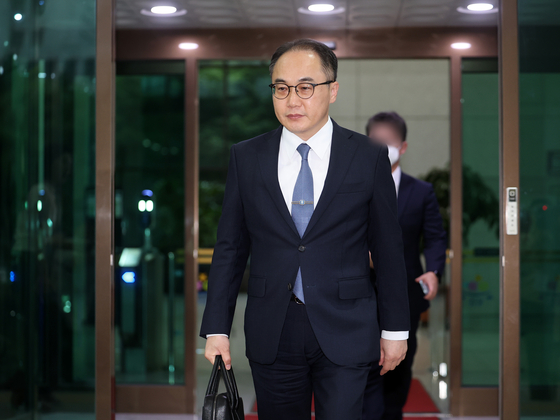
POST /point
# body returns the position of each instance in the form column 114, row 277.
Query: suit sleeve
column 386, row 247
column 229, row 260
column 435, row 237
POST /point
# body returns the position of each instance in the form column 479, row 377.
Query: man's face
column 303, row 117
column 386, row 134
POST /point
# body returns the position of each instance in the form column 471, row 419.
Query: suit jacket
column 419, row 217
column 356, row 213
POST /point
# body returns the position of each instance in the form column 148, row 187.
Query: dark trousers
column 390, row 391
column 284, row 389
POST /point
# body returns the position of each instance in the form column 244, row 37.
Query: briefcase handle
column 229, row 380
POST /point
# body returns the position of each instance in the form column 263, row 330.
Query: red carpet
column 418, row 418
column 419, row 401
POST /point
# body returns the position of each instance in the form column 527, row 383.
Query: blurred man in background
column 419, row 217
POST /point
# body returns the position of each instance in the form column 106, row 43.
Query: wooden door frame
column 509, row 244
column 177, row 398
column 464, row 400
column 104, row 211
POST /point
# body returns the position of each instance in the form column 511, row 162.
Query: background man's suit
column 356, row 213
column 419, row 217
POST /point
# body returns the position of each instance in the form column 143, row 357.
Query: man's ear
column 334, row 92
column 404, row 146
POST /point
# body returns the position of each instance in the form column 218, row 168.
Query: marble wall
column 418, row 89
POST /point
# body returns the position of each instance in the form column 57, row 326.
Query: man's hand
column 392, row 353
column 215, row 345
column 431, row 281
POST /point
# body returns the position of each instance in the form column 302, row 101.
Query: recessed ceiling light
column 480, row 7
column 461, row 45
column 163, row 10
column 318, row 8
column 18, row 16
column 188, row 46
column 321, row 9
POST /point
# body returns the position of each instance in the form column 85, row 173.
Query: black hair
column 391, row 118
column 327, row 56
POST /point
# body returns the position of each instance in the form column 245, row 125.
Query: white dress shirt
column 289, row 164
column 289, row 161
column 397, row 173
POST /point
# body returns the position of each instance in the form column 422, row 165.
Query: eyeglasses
column 304, row 90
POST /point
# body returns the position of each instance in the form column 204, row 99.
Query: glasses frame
column 272, row 86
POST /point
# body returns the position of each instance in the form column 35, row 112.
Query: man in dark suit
column 306, row 202
column 419, row 218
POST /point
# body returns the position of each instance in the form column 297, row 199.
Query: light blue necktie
column 302, row 205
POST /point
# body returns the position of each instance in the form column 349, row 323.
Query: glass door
column 481, row 241
column 149, row 237
column 530, row 110
column 539, row 208
column 47, row 209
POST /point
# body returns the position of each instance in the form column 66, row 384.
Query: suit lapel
column 268, row 162
column 405, row 188
column 342, row 151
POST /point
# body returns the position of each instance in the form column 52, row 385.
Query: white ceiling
column 283, row 13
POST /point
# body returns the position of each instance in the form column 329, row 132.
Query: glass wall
column 481, row 270
column 539, row 100
column 149, row 223
column 47, row 209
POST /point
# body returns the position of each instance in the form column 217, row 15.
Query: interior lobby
column 116, row 123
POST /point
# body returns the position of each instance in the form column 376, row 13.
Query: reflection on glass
column 539, row 169
column 481, row 273
column 149, row 214
column 47, row 208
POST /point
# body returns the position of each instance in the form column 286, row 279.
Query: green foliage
column 479, row 203
column 235, row 105
column 479, row 200
column 439, row 178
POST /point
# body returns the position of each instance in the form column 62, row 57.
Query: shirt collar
column 319, row 143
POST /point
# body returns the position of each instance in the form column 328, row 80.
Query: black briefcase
column 224, row 406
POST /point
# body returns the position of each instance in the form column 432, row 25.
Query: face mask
column 394, row 154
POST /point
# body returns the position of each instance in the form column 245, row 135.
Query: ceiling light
column 480, row 7
column 461, row 45
column 318, row 8
column 321, row 9
column 163, row 10
column 18, row 16
column 188, row 46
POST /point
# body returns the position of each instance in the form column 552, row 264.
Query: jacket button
column 301, row 248
column 290, row 286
